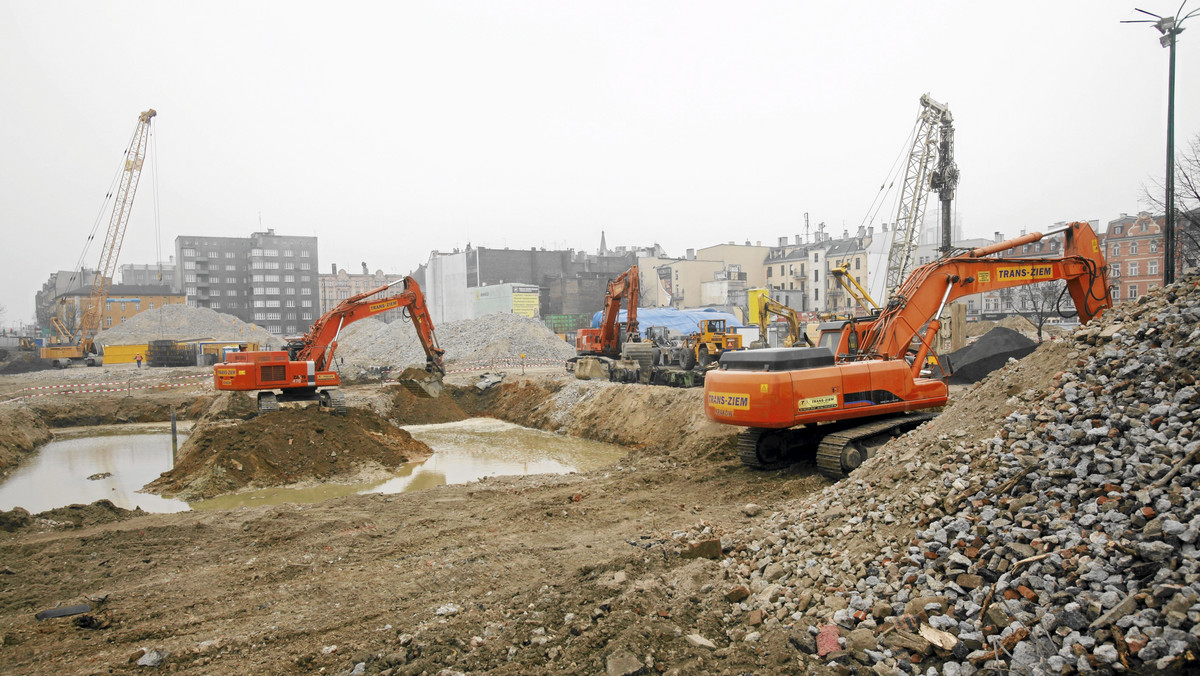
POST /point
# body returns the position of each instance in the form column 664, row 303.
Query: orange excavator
column 604, row 350
column 863, row 383
column 305, row 372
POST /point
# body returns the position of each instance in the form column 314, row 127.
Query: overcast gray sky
column 391, row 129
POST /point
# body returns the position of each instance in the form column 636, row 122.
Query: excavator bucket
column 421, row 383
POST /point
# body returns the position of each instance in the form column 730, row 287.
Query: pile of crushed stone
column 1045, row 523
column 182, row 322
column 285, row 447
column 991, row 351
column 371, row 344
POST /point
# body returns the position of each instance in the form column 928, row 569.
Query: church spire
column 603, row 248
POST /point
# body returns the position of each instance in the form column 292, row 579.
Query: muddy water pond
column 121, row 464
column 463, row 451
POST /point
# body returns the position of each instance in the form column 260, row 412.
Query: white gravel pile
column 181, row 322
column 370, row 343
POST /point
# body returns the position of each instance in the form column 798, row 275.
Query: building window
column 288, row 278
column 273, row 316
column 256, row 252
column 190, row 291
column 857, row 263
column 272, row 290
column 289, row 252
column 305, row 253
column 259, row 290
column 231, row 280
column 1114, row 269
column 229, row 254
column 260, row 316
column 273, row 329
column 271, row 252
column 307, row 278
column 215, row 305
column 1154, row 246
column 231, row 292
column 1152, row 268
column 272, row 303
column 1115, row 250
column 189, row 277
column 188, row 252
column 1132, row 291
column 816, row 294
column 1133, row 248
column 290, row 290
column 230, row 268
column 306, row 316
column 1117, row 230
column 213, row 254
column 1133, row 268
column 770, row 269
column 189, row 265
column 306, row 303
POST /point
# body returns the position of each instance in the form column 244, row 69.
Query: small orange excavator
column 304, row 371
column 863, row 384
column 602, row 350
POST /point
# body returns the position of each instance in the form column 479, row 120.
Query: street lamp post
column 1169, row 27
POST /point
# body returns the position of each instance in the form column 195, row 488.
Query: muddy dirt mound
column 25, row 366
column 226, row 406
column 71, row 516
column 409, row 409
column 286, row 447
column 85, row 410
column 663, row 420
column 990, row 352
column 21, row 432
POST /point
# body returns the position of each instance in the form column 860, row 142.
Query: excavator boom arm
column 930, row 286
column 623, row 287
column 320, row 343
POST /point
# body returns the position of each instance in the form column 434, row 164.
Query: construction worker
column 138, row 358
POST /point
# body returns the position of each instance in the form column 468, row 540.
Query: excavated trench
column 390, row 442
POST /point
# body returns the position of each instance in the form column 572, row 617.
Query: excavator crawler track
column 842, row 451
column 267, row 402
column 769, row 449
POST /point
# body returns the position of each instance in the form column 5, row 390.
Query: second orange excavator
column 863, row 384
column 305, row 371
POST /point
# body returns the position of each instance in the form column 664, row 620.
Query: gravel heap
column 182, row 322
column 373, row 344
column 1063, row 542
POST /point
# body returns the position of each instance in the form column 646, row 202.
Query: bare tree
column 1038, row 302
column 1187, row 202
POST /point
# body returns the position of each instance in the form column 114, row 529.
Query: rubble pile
column 372, row 344
column 1064, row 542
column 182, row 322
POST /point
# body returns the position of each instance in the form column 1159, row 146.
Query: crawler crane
column 77, row 346
column 861, row 385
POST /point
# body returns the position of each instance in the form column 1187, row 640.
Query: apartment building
column 1133, row 247
column 267, row 279
column 338, row 285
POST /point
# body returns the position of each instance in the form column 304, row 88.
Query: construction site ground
column 609, row 571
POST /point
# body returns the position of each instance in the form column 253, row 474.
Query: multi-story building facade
column 123, row 302
column 267, row 279
column 1133, row 247
column 569, row 282
column 338, row 285
column 149, row 274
